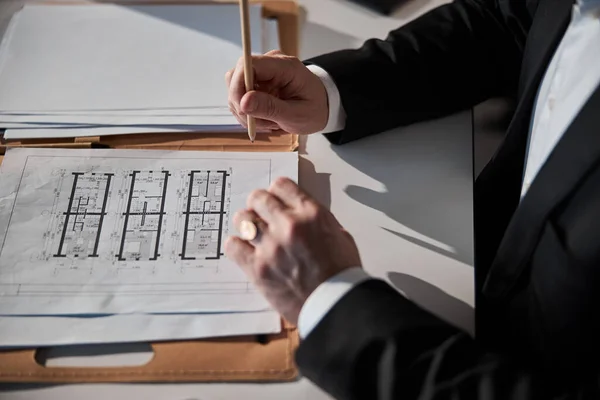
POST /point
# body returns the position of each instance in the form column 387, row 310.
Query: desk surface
column 405, row 195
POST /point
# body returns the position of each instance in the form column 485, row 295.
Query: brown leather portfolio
column 236, row 359
column 245, row 358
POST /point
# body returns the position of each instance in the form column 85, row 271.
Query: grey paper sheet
column 65, row 58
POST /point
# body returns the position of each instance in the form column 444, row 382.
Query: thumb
column 265, row 106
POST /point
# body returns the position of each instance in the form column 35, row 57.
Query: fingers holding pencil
column 287, row 95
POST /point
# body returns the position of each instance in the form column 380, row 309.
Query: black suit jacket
column 537, row 263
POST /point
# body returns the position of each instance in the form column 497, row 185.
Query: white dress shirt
column 569, row 81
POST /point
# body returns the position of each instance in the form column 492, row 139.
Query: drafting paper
column 61, row 124
column 54, row 331
column 102, row 130
column 105, row 56
column 136, row 112
column 126, row 231
column 208, row 117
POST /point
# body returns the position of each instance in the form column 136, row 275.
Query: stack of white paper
column 127, row 245
column 89, row 70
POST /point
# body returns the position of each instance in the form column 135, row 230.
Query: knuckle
column 291, row 229
column 255, row 196
column 270, row 202
column 349, row 238
column 312, row 210
column 347, row 235
column 292, row 59
column 280, row 182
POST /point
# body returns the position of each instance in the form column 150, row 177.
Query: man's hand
column 300, row 245
column 287, row 95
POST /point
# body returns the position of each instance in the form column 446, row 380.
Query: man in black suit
column 537, row 206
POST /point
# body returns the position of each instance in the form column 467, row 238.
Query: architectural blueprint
column 121, row 231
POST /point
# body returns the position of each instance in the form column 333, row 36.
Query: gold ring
column 248, row 230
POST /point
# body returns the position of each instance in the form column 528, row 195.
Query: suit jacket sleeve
column 375, row 344
column 445, row 61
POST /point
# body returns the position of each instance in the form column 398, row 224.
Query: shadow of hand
column 427, row 175
column 435, row 300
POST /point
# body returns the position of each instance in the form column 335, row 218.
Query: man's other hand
column 287, row 95
column 299, row 246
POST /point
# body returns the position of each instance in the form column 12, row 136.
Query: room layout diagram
column 126, row 231
column 81, row 223
column 143, row 218
column 204, row 215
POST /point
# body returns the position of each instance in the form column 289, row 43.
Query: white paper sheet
column 119, row 119
column 126, row 231
column 136, row 112
column 105, row 123
column 225, row 118
column 85, row 131
column 98, row 57
column 54, row 331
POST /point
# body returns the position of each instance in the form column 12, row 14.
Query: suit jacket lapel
column 498, row 186
column 500, row 182
column 548, row 27
column 574, row 156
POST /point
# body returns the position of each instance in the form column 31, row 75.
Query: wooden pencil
column 248, row 71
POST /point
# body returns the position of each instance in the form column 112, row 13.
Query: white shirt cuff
column 326, row 295
column 337, row 116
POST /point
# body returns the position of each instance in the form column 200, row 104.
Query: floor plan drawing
column 126, row 231
column 144, row 216
column 82, row 224
column 204, row 215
